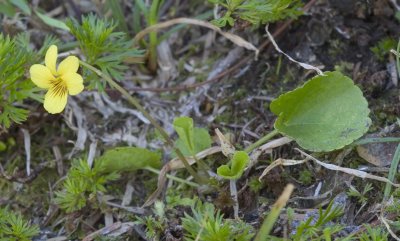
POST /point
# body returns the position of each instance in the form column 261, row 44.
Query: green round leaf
column 326, row 113
column 238, row 164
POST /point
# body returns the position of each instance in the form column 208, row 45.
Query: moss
column 306, row 177
column 383, row 47
column 255, row 185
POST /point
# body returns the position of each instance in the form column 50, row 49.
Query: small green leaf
column 184, row 127
column 3, row 146
column 7, row 9
column 128, row 159
column 202, row 141
column 23, row 5
column 238, row 164
column 52, row 21
column 326, row 113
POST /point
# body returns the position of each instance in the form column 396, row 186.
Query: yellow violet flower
column 59, row 81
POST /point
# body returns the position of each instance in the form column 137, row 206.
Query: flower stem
column 138, row 106
column 233, row 189
column 398, row 58
column 152, row 19
column 174, row 177
column 263, row 140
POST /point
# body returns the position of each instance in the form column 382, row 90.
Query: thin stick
column 261, row 141
column 350, row 171
column 304, row 65
column 383, row 220
column 173, row 177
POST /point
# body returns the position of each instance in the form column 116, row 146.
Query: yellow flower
column 59, row 81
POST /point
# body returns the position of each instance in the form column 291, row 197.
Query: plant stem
column 174, row 177
column 138, row 106
column 269, row 221
column 398, row 59
column 153, row 19
column 201, row 165
column 263, row 140
column 392, row 172
column 233, row 189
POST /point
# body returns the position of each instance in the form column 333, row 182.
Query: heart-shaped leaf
column 126, row 159
column 238, row 164
column 184, row 127
column 201, row 142
column 326, row 113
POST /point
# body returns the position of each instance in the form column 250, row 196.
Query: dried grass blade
column 234, row 38
column 175, row 164
column 304, row 65
column 27, row 145
column 267, row 147
column 384, row 221
column 349, row 171
column 227, row 148
column 280, row 162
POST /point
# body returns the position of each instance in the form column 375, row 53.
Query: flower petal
column 55, row 100
column 51, row 59
column 74, row 83
column 41, row 76
column 68, row 65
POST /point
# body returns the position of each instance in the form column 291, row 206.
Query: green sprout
column 233, row 172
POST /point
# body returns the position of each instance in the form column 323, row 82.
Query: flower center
column 59, row 87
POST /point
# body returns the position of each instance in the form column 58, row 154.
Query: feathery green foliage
column 13, row 83
column 383, row 47
column 156, row 223
column 14, row 228
column 15, row 57
column 207, row 224
column 102, row 47
column 361, row 196
column 257, row 11
column 373, row 234
column 82, row 183
column 316, row 227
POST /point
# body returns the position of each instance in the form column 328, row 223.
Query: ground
column 350, row 36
